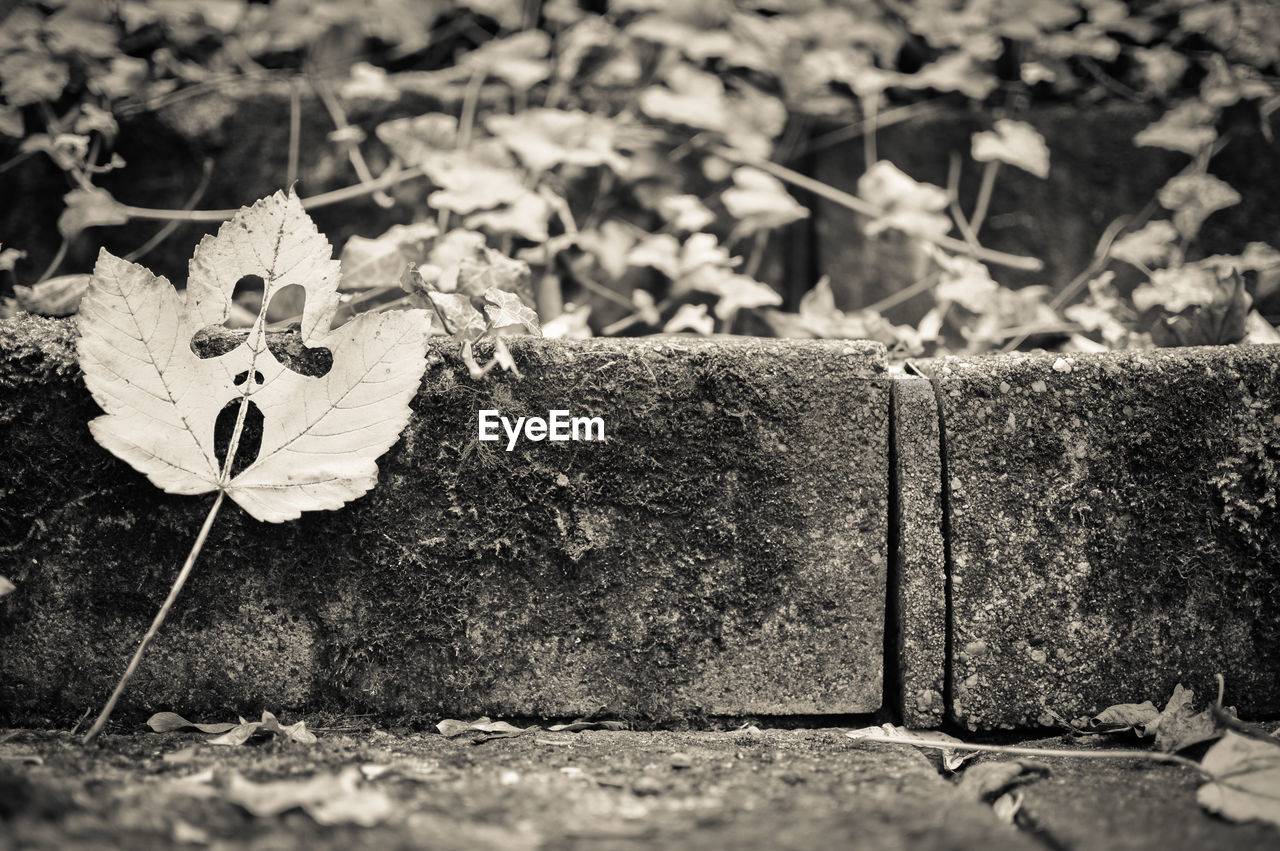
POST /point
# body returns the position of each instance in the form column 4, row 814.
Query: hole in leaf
column 214, row 341
column 257, row 378
column 287, row 303
column 250, row 435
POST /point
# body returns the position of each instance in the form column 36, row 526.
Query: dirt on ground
column 547, row 790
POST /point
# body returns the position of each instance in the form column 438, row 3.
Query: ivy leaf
column 519, row 60
column 1246, row 779
column 379, row 262
column 1154, row 244
column 909, row 206
column 505, row 309
column 461, row 319
column 1215, row 318
column 546, row 138
column 527, row 216
column 11, row 123
column 9, row 258
column 415, row 139
column 760, row 202
column 86, row 208
column 6, row 587
column 1193, row 198
column 474, row 179
column 690, row 97
column 684, row 212
column 570, row 325
column 320, row 435
column 58, row 296
column 491, row 269
column 1016, row 143
column 1188, row 127
column 690, row 317
column 27, row 77
column 954, row 72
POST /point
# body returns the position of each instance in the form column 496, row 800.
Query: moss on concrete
column 723, row 552
column 1113, row 530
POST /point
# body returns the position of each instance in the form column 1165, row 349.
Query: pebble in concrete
column 1113, row 530
column 722, row 551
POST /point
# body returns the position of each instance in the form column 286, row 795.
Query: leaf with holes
column 320, row 434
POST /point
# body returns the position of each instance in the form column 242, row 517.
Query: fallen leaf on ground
column 451, row 728
column 167, row 722
column 987, row 781
column 1180, row 726
column 328, row 798
column 269, row 725
column 1246, row 779
column 951, row 760
column 1124, row 716
column 577, row 726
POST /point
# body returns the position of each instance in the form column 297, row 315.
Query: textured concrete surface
column 801, row 789
column 723, row 552
column 920, row 595
column 1113, row 530
column 1121, row 806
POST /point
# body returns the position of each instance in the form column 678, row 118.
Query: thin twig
column 105, row 715
column 984, row 196
column 1153, row 756
column 170, row 226
column 324, row 199
column 895, row 299
column 953, row 202
column 869, row 153
column 58, row 257
column 295, row 133
column 336, row 112
column 858, row 128
column 866, row 208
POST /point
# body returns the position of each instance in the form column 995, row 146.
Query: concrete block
column 916, row 537
column 1113, row 530
column 722, row 552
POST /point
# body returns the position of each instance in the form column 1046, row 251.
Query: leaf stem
column 1153, row 756
column 324, row 199
column 866, row 208
column 110, row 706
column 984, row 196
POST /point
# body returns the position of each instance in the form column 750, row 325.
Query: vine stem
column 105, row 715
column 866, row 208
column 1153, row 756
column 324, row 199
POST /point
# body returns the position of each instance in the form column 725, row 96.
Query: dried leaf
column 1246, row 779
column 1193, row 198
column 1124, row 716
column 328, row 798
column 505, row 309
column 321, row 435
column 58, row 296
column 86, row 208
column 1180, row 726
column 167, row 722
column 989, row 780
column 450, row 728
column 1016, row 143
column 951, row 760
column 578, row 726
column 269, row 725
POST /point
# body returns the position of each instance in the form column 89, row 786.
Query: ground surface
column 591, row 789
